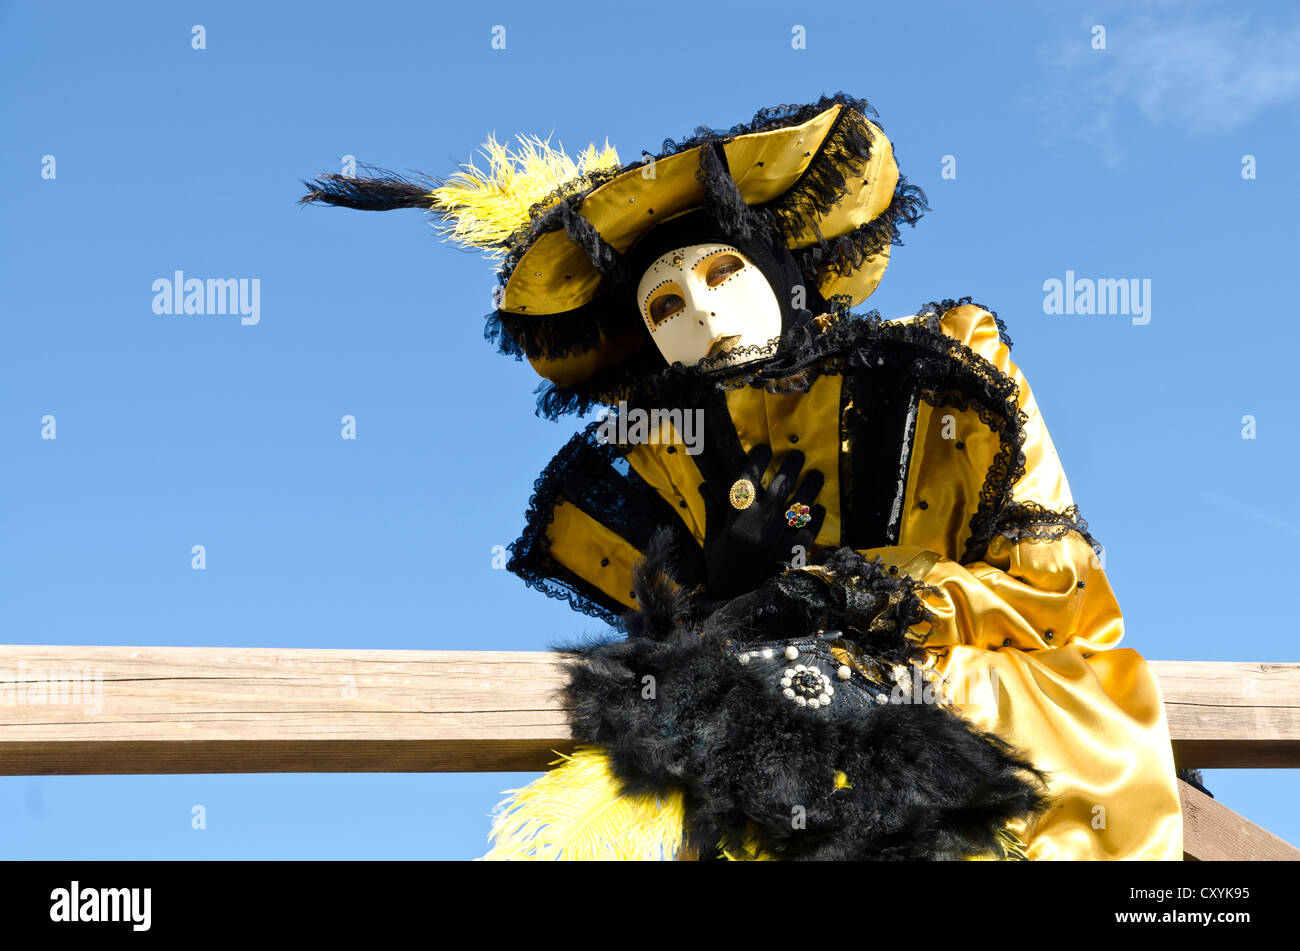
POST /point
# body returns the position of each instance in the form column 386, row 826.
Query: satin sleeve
column 1026, row 642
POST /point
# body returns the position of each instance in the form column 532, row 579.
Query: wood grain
column 256, row 710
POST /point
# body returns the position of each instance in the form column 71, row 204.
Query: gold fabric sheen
column 1024, row 650
column 554, row 275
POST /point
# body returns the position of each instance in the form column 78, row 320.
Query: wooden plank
column 1214, row 833
column 237, row 710
column 1225, row 715
column 203, row 710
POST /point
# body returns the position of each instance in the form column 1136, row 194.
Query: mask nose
column 697, row 303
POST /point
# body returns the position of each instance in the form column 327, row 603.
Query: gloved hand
column 742, row 547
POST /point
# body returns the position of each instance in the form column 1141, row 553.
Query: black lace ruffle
column 1034, row 521
column 594, row 476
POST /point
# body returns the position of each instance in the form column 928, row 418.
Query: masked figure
column 861, row 616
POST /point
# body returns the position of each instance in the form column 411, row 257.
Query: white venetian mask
column 702, row 300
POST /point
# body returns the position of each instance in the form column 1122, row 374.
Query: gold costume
column 933, row 454
column 1026, row 638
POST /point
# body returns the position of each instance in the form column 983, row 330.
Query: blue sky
column 1117, row 163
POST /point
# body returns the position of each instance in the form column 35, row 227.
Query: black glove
column 742, row 547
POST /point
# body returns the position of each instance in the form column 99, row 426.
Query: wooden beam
column 1214, row 833
column 253, row 710
column 234, row 710
column 127, row 710
column 1225, row 715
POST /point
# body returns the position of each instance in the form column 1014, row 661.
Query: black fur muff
column 676, row 709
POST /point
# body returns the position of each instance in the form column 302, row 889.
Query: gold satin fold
column 1028, row 638
column 1084, row 711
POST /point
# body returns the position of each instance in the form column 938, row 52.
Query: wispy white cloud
column 1189, row 65
column 1258, row 516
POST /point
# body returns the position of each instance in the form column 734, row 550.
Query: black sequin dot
column 682, row 503
column 672, row 449
column 1082, row 585
column 794, row 437
column 923, row 505
column 1006, row 642
column 960, row 444
column 1049, row 634
column 604, row 562
column 893, row 569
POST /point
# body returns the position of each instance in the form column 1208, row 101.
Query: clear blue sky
column 1116, row 163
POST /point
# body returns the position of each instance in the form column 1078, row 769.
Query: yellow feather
column 1010, row 845
column 483, row 208
column 576, row 812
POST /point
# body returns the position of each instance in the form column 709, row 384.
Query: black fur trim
column 923, row 783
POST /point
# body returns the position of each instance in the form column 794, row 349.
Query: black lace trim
column 845, row 152
column 550, row 213
column 587, row 473
column 942, row 307
column 1034, row 521
column 845, row 254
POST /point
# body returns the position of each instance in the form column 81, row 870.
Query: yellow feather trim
column 483, row 208
column 1010, row 844
column 577, row 812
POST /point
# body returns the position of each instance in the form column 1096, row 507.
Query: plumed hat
column 817, row 183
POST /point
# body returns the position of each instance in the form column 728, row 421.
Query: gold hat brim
column 554, row 275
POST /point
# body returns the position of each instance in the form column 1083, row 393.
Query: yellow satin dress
column 1026, row 639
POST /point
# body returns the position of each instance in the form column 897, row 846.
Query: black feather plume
column 380, row 190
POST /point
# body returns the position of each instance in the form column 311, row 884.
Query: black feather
column 380, row 190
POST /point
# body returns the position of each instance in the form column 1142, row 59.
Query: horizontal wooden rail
column 124, row 710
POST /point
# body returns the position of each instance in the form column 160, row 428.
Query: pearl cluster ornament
column 807, row 686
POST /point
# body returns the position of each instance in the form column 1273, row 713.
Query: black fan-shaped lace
column 587, row 473
column 949, row 373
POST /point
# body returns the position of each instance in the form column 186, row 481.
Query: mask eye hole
column 665, row 304
column 721, row 267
